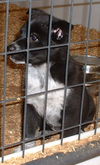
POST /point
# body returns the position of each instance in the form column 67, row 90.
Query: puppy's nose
column 11, row 48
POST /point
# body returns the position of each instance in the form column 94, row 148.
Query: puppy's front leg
column 33, row 122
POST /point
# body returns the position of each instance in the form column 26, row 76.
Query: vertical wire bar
column 66, row 70
column 84, row 78
column 97, row 110
column 47, row 73
column 5, row 79
column 26, row 74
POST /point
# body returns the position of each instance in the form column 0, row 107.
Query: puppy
column 37, row 68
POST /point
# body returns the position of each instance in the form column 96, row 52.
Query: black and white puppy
column 37, row 67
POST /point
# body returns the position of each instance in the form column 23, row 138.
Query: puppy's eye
column 34, row 37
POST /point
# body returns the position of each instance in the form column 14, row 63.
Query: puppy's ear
column 36, row 12
column 23, row 30
column 60, row 31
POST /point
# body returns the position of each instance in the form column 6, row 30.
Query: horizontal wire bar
column 51, row 133
column 51, row 46
column 40, row 93
column 55, row 6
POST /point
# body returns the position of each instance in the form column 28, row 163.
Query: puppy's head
column 39, row 34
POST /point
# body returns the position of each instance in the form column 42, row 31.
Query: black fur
column 58, row 57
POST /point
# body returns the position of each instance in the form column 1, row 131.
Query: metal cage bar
column 66, row 70
column 84, row 78
column 52, row 46
column 47, row 72
column 97, row 119
column 40, row 93
column 5, row 80
column 26, row 74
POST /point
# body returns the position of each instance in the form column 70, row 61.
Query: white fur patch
column 16, row 46
column 16, row 62
column 36, row 84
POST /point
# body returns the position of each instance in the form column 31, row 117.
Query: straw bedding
column 14, row 88
column 66, row 149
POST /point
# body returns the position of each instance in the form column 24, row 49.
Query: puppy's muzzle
column 17, row 58
column 13, row 47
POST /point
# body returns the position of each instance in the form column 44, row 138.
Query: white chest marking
column 36, row 84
